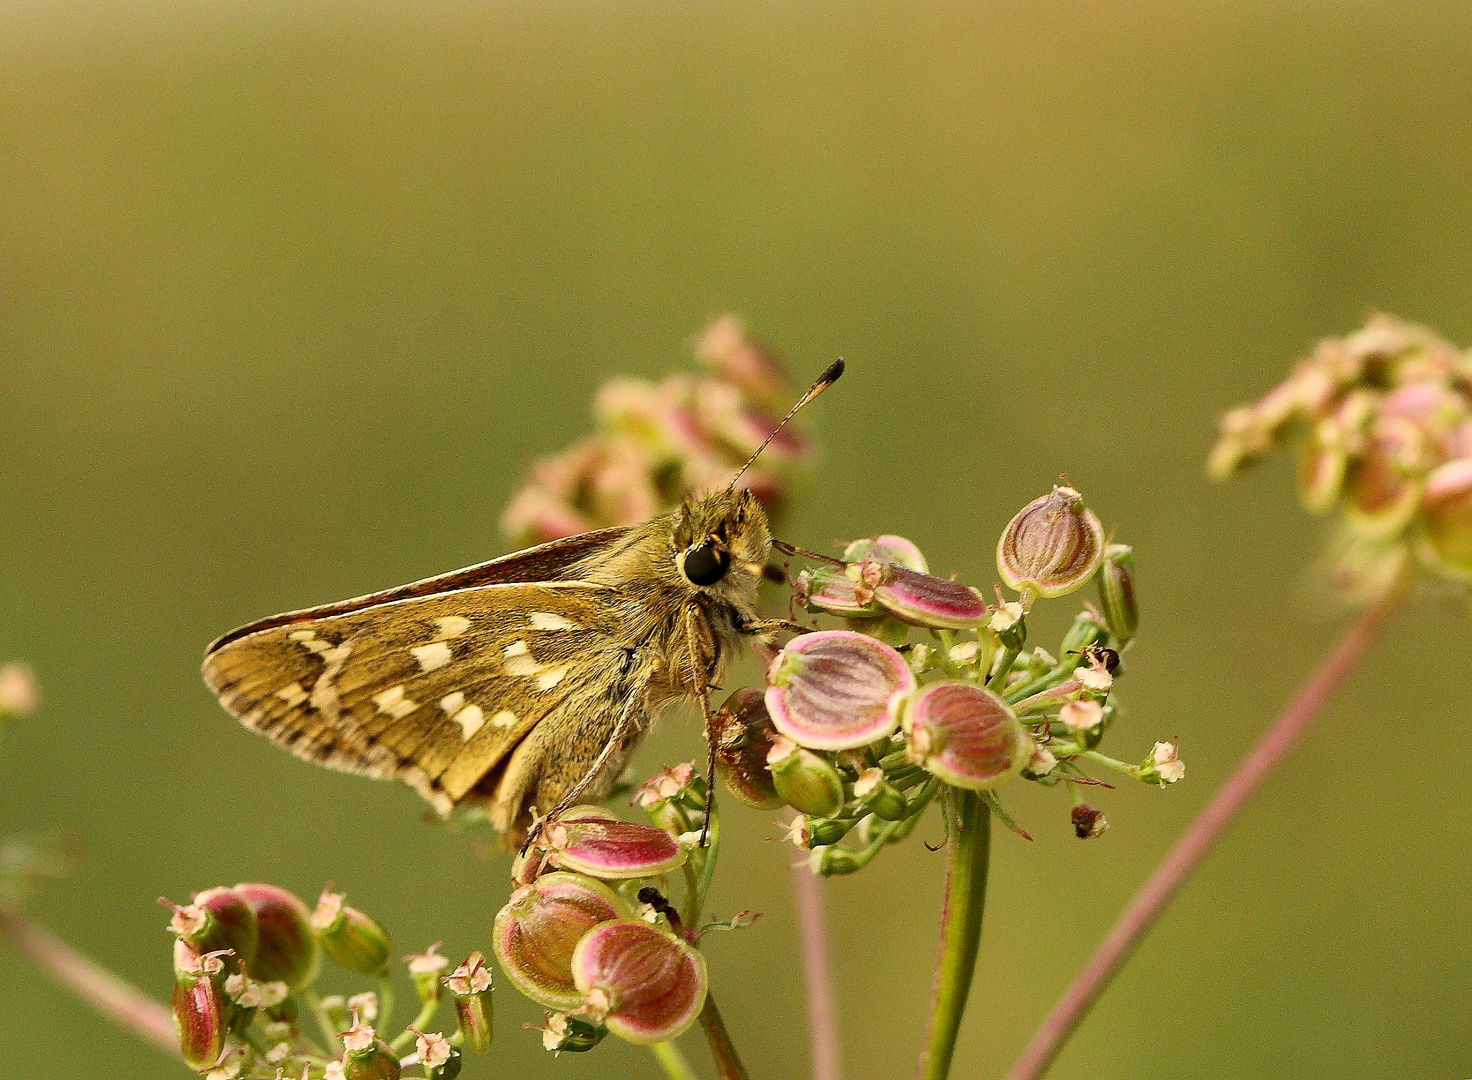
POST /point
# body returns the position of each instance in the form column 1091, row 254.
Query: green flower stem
column 960, row 931
column 728, row 1062
column 385, row 1002
column 426, row 1014
column 1112, row 763
column 672, row 1061
column 997, row 684
column 314, row 1006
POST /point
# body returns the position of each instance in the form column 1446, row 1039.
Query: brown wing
column 434, row 689
column 545, row 562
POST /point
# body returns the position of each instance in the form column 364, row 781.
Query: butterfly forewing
column 435, row 690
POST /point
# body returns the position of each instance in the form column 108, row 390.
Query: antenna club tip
column 831, row 373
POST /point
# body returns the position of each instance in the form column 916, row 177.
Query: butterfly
column 521, row 685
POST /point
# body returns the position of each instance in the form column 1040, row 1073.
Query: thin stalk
column 1137, row 919
column 113, row 997
column 672, row 1061
column 960, row 931
column 426, row 1013
column 385, row 1002
column 722, row 1049
column 817, row 979
column 319, row 1014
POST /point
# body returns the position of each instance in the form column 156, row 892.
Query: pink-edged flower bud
column 837, row 689
column 966, row 735
column 1088, row 823
column 929, row 601
column 1163, row 766
column 18, row 693
column 571, row 1033
column 349, row 937
column 645, row 984
column 215, row 919
column 836, row 592
column 610, row 849
column 1052, row 546
column 366, row 1056
column 1384, row 486
column 887, row 551
column 425, row 971
column 249, row 994
column 286, row 946
column 536, row 932
column 1042, row 762
column 803, row 780
column 470, row 986
column 1447, row 517
column 744, row 736
column 1117, row 593
column 677, row 783
column 1080, row 716
column 440, row 1059
column 199, row 1007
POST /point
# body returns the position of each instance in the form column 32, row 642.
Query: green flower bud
column 367, row 1057
column 571, row 1033
column 1447, row 516
column 425, row 971
column 349, row 937
column 1117, row 593
column 880, row 796
column 804, row 780
column 833, row 861
column 470, row 985
column 1052, row 547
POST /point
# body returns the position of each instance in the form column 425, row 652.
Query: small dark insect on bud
column 1088, row 822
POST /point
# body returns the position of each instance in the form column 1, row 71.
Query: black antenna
column 828, row 378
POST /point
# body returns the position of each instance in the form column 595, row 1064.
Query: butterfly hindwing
column 436, row 690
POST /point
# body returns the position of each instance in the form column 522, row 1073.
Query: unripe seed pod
column 216, row 919
column 744, row 735
column 536, row 932
column 1447, row 518
column 929, row 601
column 888, row 551
column 610, row 849
column 1117, row 593
column 199, row 1007
column 837, row 689
column 833, row 861
column 835, row 592
column 645, row 984
column 879, row 795
column 1053, row 545
column 809, row 832
column 805, row 781
column 425, row 971
column 349, row 937
column 1383, row 490
column 286, row 948
column 470, row 986
column 966, row 735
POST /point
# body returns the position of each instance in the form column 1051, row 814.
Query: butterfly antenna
column 828, row 378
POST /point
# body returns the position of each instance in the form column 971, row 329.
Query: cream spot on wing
column 324, row 690
column 451, row 626
column 302, row 635
column 470, row 719
column 292, row 694
column 452, row 703
column 516, row 648
column 550, row 678
column 548, row 620
column 393, row 702
column 518, row 661
column 504, row 719
column 432, row 656
column 315, row 645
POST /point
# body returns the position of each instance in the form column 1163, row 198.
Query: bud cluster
column 658, row 442
column 245, row 960
column 860, row 728
column 1382, row 421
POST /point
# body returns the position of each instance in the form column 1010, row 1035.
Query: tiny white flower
column 365, row 1005
column 1006, row 617
column 963, row 653
column 1096, row 677
column 434, row 1049
column 1167, row 762
column 1043, row 761
column 1081, row 715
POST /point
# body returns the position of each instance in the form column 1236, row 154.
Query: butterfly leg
column 627, row 722
column 710, row 766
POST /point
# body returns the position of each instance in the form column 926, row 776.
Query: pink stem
column 822, row 1025
column 1198, row 839
column 91, row 982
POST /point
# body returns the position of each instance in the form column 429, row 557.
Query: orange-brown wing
column 432, row 689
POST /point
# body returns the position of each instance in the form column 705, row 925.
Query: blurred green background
column 291, row 294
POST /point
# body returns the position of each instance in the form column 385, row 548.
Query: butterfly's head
column 721, row 543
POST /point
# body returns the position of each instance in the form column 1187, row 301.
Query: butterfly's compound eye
column 706, row 564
